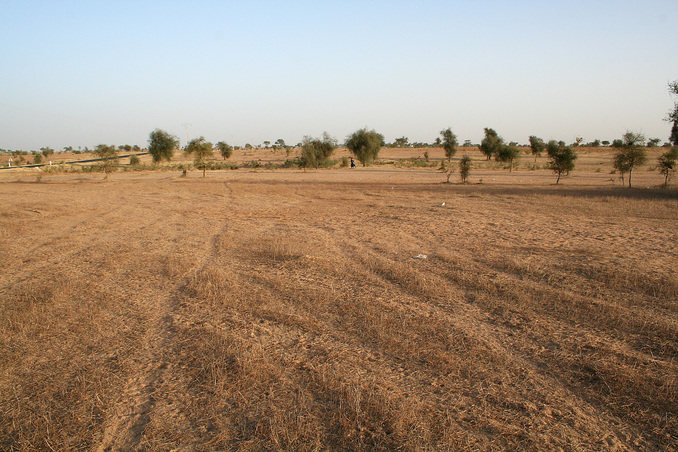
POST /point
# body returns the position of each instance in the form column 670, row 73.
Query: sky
column 83, row 73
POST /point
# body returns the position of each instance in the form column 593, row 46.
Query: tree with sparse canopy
column 667, row 164
column 47, row 151
column 630, row 155
column 109, row 156
column 224, row 149
column 161, row 145
column 537, row 145
column 365, row 145
column 449, row 143
column 561, row 158
column 673, row 115
column 491, row 144
column 201, row 149
column 508, row 153
column 401, row 142
column 316, row 151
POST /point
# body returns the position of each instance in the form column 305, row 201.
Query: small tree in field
column 537, row 145
column 631, row 154
column 224, row 149
column 109, row 154
column 464, row 168
column 667, row 164
column 508, row 154
column 365, row 145
column 673, row 115
column 491, row 144
column 47, row 151
column 449, row 143
column 161, row 145
column 315, row 151
column 561, row 158
column 201, row 149
column 447, row 168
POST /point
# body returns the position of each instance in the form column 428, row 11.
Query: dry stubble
column 158, row 313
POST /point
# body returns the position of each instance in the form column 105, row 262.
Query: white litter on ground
column 420, row 256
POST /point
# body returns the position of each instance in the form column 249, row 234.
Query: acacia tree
column 201, row 149
column 365, row 145
column 316, row 151
column 561, row 158
column 620, row 164
column 508, row 154
column 537, row 145
column 673, row 115
column 491, row 144
column 224, row 149
column 161, row 145
column 667, row 164
column 402, row 142
column 47, row 151
column 631, row 154
column 449, row 143
column 109, row 156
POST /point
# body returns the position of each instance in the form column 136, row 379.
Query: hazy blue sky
column 81, row 73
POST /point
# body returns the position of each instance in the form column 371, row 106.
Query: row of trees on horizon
column 365, row 144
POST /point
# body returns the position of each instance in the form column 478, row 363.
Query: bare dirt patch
column 284, row 310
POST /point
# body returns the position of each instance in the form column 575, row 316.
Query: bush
column 291, row 163
column 315, row 152
column 464, row 168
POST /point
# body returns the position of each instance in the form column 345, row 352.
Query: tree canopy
column 161, row 145
column 508, row 153
column 200, row 149
column 449, row 143
column 673, row 115
column 224, row 149
column 365, row 145
column 537, row 145
column 109, row 154
column 631, row 154
column 667, row 164
column 561, row 158
column 491, row 144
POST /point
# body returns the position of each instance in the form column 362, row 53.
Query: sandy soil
column 293, row 310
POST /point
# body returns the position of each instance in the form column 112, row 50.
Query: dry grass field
column 286, row 310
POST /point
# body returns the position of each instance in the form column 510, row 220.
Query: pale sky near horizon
column 82, row 73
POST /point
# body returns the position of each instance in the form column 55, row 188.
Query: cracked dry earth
column 258, row 313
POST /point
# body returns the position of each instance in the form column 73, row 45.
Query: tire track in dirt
column 124, row 429
column 500, row 340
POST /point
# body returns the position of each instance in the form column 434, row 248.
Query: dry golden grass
column 284, row 310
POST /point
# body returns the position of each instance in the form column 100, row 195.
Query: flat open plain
column 285, row 310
